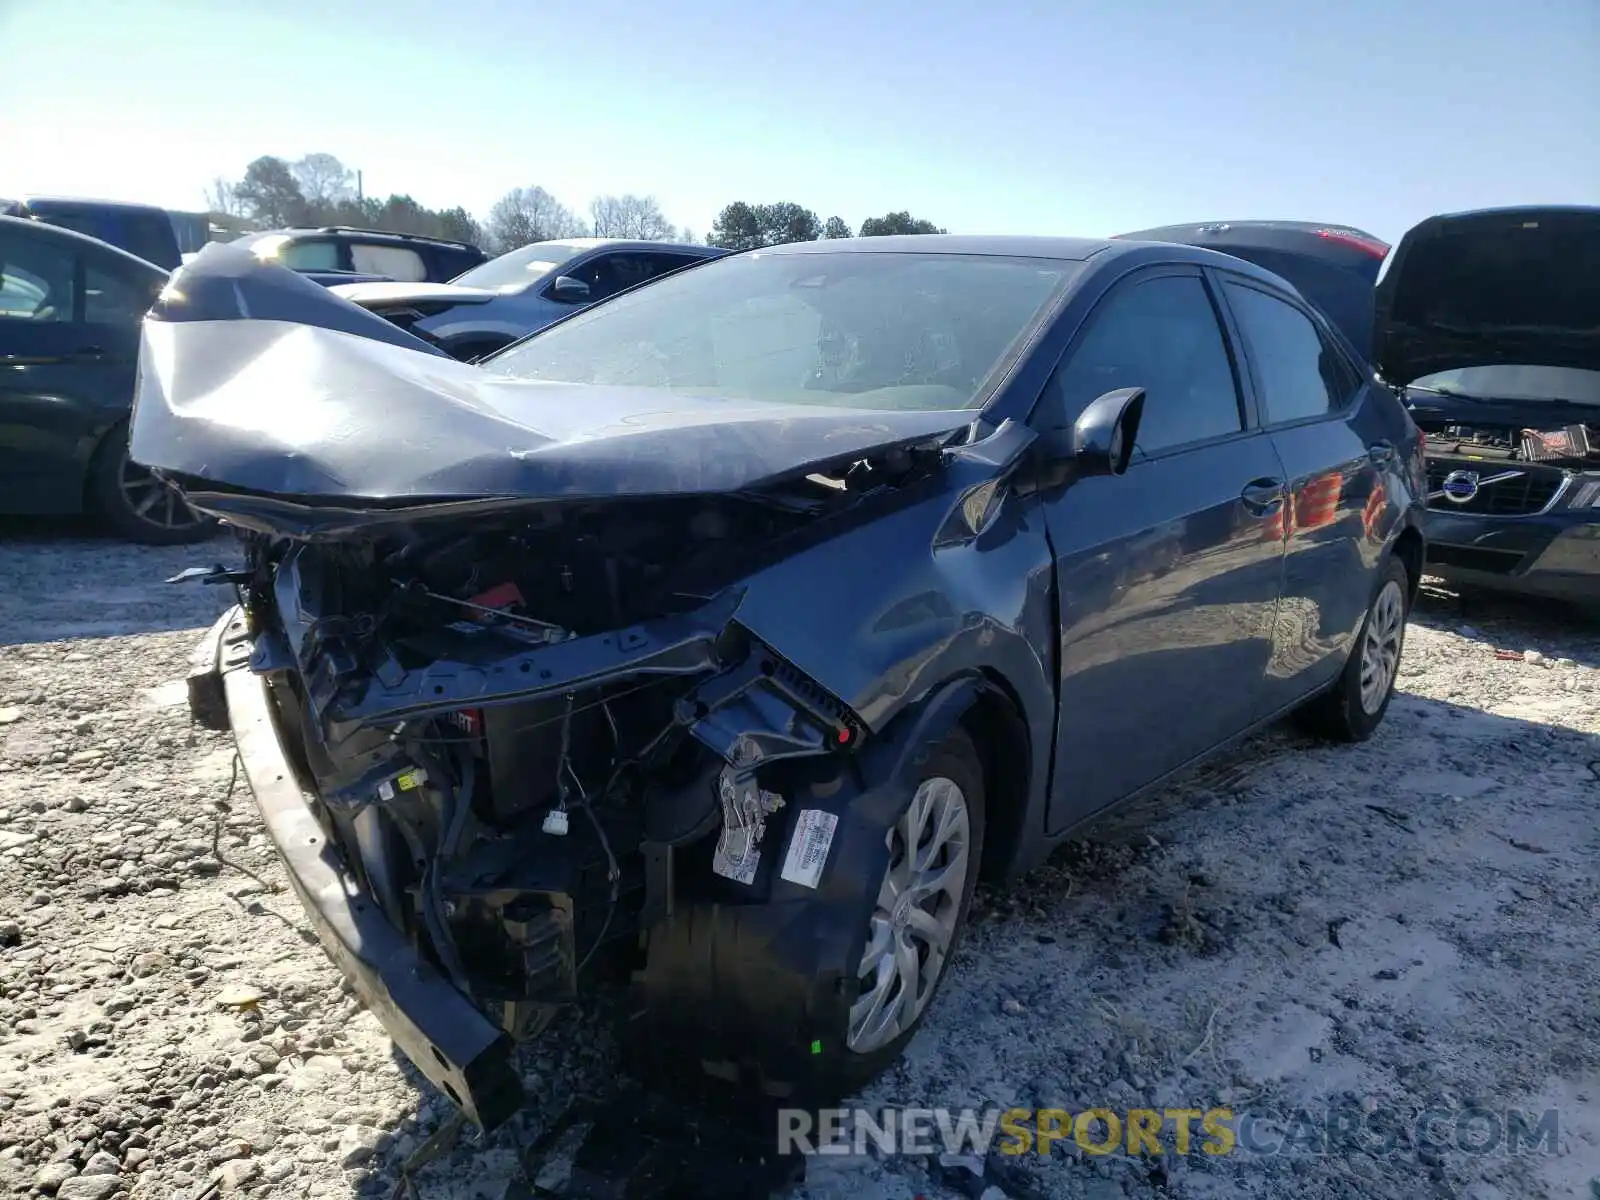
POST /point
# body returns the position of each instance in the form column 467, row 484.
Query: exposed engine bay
column 532, row 734
column 1574, row 446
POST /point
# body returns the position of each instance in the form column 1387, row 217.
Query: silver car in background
column 507, row 298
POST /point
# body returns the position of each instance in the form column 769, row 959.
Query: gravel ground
column 1410, row 921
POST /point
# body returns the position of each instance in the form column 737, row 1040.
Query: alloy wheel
column 154, row 502
column 913, row 923
column 1380, row 647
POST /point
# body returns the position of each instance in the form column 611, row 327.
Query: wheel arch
column 984, row 705
column 99, row 443
column 1005, row 753
column 1410, row 549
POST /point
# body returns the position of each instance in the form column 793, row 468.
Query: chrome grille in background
column 1530, row 490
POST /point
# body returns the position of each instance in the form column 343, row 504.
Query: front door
column 1169, row 575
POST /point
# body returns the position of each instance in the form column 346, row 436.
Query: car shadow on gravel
column 1549, row 627
column 1154, row 900
column 67, row 578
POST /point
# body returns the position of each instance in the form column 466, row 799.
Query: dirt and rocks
column 1405, row 925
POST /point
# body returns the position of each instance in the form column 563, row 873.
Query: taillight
column 1360, row 241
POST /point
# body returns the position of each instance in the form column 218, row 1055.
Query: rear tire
column 137, row 504
column 1353, row 708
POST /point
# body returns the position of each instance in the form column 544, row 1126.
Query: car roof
column 1512, row 210
column 92, row 202
column 1013, row 245
column 593, row 243
column 76, row 240
column 356, row 231
column 1074, row 249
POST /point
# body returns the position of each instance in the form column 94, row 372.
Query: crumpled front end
column 492, row 688
column 496, row 753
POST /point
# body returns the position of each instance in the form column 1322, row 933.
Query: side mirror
column 1104, row 434
column 569, row 289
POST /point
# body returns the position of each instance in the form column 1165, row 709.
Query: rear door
column 69, row 343
column 1338, row 434
column 1168, row 576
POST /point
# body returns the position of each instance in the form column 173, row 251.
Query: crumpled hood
column 255, row 379
column 1512, row 285
column 389, row 292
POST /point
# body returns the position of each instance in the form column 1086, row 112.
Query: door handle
column 1262, row 496
column 1381, row 453
column 89, row 352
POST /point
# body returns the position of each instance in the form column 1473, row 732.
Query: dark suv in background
column 70, row 307
column 157, row 235
column 344, row 254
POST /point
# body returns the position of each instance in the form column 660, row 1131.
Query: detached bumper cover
column 441, row 1032
column 1556, row 555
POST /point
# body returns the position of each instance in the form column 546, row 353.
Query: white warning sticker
column 808, row 848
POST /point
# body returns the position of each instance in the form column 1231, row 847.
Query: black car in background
column 156, row 235
column 1335, row 267
column 1490, row 323
column 727, row 630
column 70, row 307
column 344, row 254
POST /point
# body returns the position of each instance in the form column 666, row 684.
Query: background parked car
column 156, row 235
column 1490, row 322
column 511, row 296
column 1485, row 322
column 345, row 254
column 70, row 308
column 1333, row 266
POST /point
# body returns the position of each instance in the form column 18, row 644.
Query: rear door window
column 1162, row 335
column 608, row 274
column 1302, row 373
column 112, row 297
column 311, row 255
column 396, row 262
column 36, row 280
column 150, row 236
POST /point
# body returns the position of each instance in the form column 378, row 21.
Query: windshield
column 859, row 330
column 1509, row 382
column 514, row 271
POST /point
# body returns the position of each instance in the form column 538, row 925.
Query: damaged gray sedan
column 720, row 637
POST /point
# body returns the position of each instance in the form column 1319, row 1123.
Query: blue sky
column 1002, row 117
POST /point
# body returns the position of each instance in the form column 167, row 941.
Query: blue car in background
column 507, row 298
column 157, row 235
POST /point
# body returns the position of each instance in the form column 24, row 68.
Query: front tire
column 138, row 505
column 1353, row 708
column 935, row 849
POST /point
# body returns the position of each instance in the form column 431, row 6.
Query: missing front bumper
column 453, row 1044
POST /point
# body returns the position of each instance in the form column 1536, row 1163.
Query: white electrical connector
column 555, row 822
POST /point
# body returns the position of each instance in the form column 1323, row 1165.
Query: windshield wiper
column 1450, row 392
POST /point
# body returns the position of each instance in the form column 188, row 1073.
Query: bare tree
column 629, row 216
column 324, row 180
column 529, row 214
column 220, row 198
